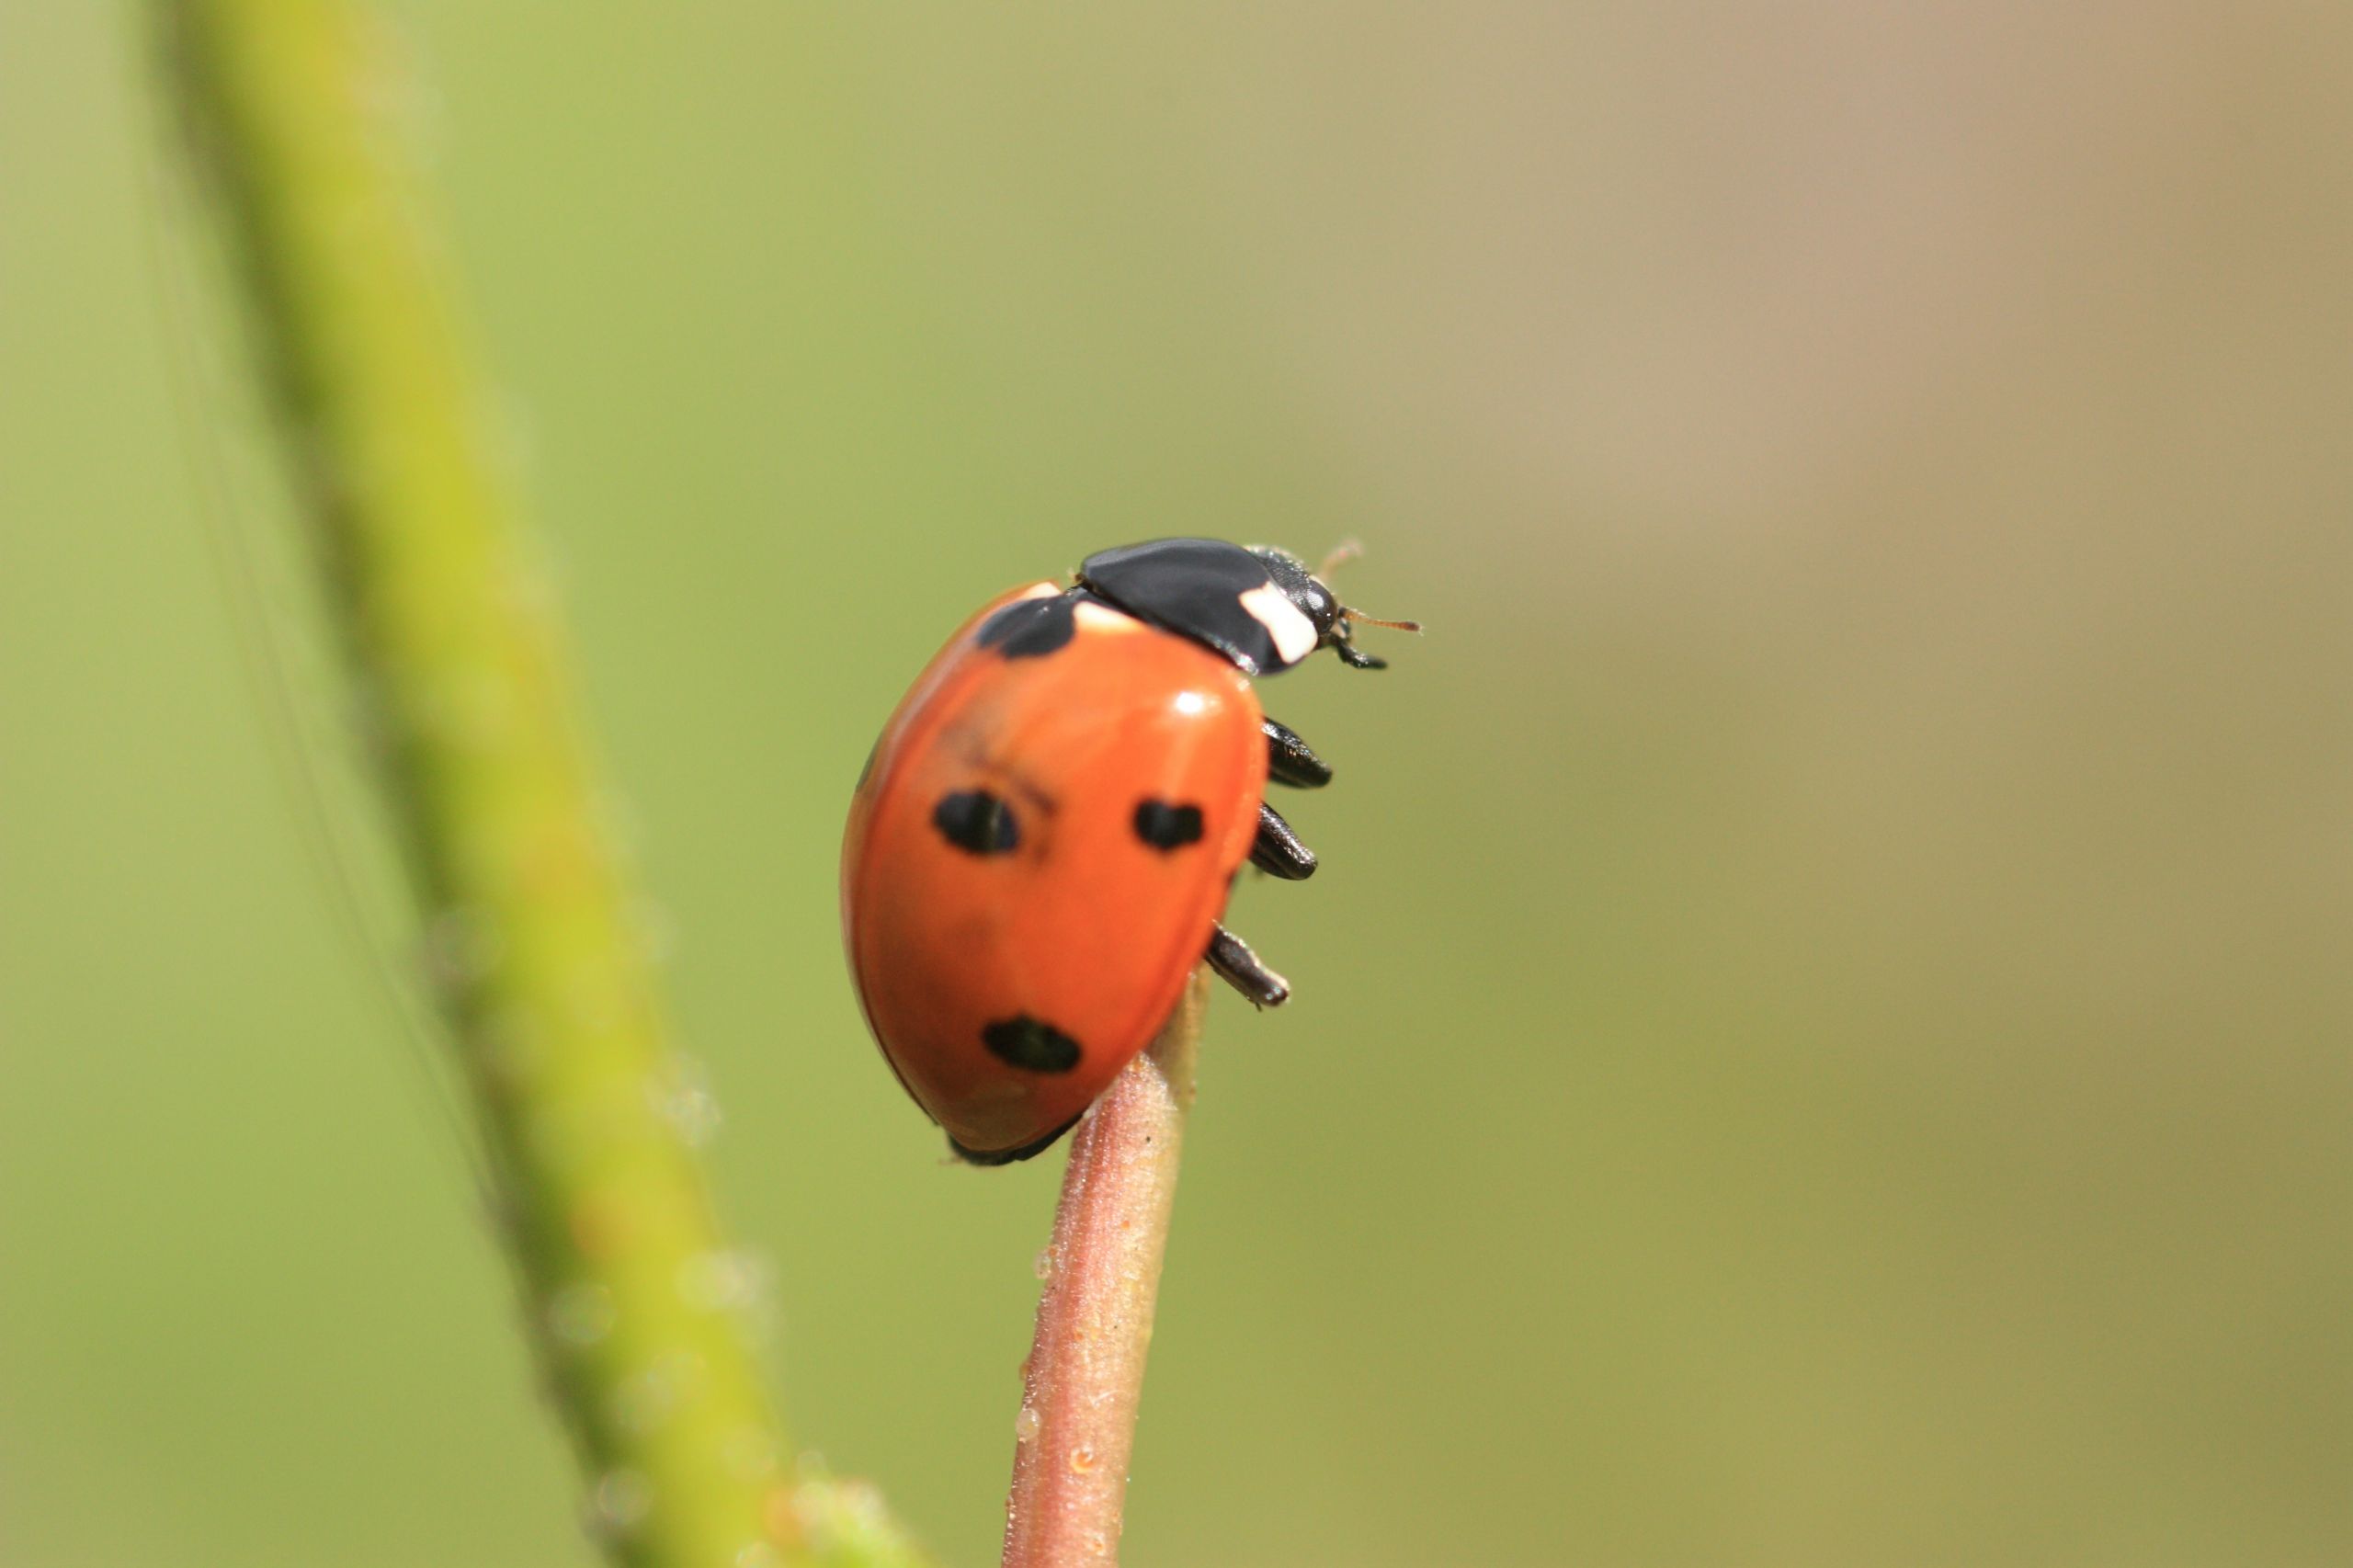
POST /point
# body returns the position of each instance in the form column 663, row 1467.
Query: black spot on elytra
column 1167, row 826
column 977, row 822
column 1026, row 1042
column 1030, row 628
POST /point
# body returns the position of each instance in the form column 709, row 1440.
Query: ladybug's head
column 1260, row 607
column 1334, row 622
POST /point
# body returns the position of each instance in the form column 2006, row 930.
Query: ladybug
column 1040, row 846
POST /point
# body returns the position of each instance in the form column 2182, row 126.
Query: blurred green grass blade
column 635, row 1301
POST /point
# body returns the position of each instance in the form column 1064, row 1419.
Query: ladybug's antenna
column 1343, row 642
column 1348, row 550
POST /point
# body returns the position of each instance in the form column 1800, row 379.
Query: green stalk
column 635, row 1301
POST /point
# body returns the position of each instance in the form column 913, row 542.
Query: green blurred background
column 1823, row 1033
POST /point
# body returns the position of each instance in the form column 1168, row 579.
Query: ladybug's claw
column 1241, row 969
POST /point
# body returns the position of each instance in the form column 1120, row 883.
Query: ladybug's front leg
column 1291, row 761
column 1241, row 969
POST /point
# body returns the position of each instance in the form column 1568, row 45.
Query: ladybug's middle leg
column 1243, row 970
column 1278, row 849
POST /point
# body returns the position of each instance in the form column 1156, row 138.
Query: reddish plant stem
column 1085, row 1375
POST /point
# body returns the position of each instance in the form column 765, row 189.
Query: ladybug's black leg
column 1241, row 968
column 1289, row 760
column 1279, row 850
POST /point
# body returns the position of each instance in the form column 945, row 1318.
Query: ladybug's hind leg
column 1243, row 970
column 1291, row 761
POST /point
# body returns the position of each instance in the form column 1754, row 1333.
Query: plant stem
column 634, row 1301
column 1085, row 1375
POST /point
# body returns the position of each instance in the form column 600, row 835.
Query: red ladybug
column 1041, row 843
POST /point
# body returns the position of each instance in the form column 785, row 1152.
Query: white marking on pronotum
column 1091, row 616
column 1294, row 634
column 1039, row 591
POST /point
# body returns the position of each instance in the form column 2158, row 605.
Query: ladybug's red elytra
column 1040, row 849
